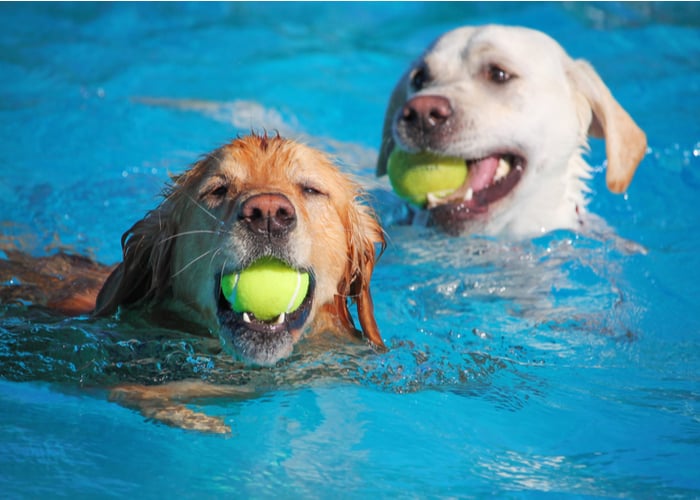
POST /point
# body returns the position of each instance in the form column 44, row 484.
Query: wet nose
column 268, row 213
column 426, row 111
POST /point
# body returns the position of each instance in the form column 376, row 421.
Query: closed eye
column 215, row 190
column 311, row 190
column 219, row 191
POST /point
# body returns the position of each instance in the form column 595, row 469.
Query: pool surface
column 564, row 365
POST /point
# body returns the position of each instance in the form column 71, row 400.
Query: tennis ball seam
column 266, row 288
column 294, row 295
column 415, row 175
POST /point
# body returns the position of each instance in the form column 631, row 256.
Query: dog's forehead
column 283, row 165
column 280, row 161
column 471, row 44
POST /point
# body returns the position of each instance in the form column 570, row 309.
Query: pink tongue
column 482, row 172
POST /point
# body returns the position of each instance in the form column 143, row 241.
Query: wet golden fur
column 174, row 257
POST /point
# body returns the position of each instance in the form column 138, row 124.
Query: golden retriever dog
column 518, row 110
column 256, row 196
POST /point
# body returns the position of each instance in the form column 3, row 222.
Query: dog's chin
column 491, row 180
column 259, row 342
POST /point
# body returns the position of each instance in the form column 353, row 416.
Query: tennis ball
column 267, row 288
column 413, row 176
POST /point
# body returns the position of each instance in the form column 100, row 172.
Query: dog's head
column 257, row 196
column 518, row 110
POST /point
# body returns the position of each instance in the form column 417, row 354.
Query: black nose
column 268, row 213
column 426, row 112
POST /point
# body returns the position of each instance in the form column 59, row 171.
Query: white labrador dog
column 519, row 110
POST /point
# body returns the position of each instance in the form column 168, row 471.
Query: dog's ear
column 364, row 233
column 144, row 272
column 397, row 99
column 625, row 142
column 144, row 275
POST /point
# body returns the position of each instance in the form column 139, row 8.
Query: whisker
column 204, row 209
column 213, row 256
column 223, row 266
column 186, row 233
column 218, row 251
column 192, row 262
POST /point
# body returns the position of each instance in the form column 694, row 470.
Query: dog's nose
column 268, row 213
column 426, row 111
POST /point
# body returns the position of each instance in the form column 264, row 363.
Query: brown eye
column 497, row 74
column 419, row 77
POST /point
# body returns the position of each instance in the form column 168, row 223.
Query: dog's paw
column 161, row 403
column 185, row 418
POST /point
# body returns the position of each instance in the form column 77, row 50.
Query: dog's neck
column 548, row 202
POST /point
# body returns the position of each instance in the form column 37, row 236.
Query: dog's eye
column 310, row 190
column 419, row 77
column 497, row 74
column 219, row 191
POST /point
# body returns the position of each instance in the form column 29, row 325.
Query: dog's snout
column 426, row 111
column 269, row 213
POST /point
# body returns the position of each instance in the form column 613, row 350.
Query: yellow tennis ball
column 413, row 176
column 267, row 288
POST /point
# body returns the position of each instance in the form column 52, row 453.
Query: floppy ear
column 625, row 142
column 144, row 273
column 397, row 99
column 364, row 232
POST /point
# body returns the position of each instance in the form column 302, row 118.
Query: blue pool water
column 563, row 365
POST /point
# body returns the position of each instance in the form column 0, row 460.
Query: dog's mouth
column 261, row 341
column 489, row 179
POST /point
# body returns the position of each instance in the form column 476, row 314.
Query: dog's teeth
column 502, row 170
column 281, row 319
column 469, row 194
column 246, row 318
column 432, row 200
